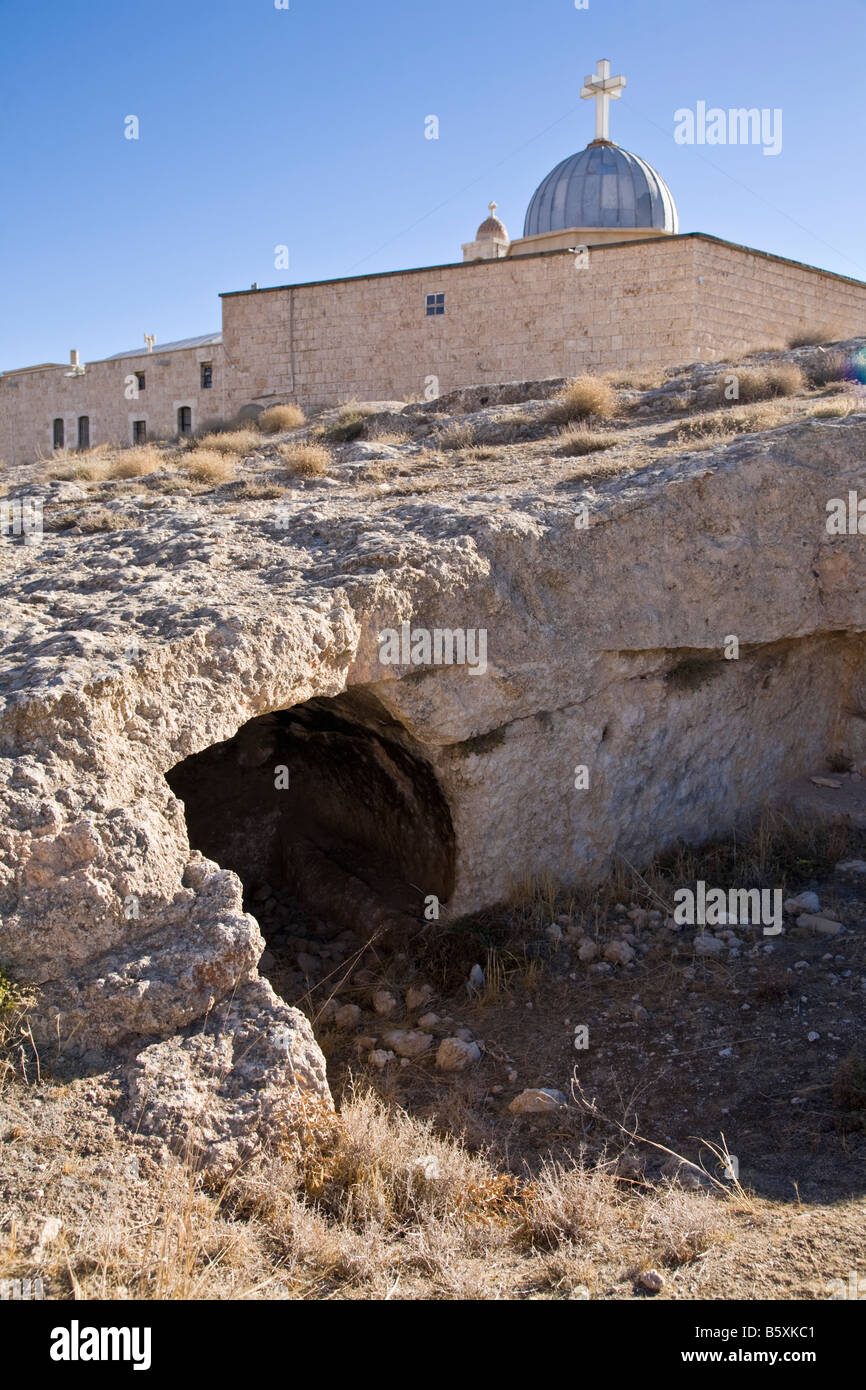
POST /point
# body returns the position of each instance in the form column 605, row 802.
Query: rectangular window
column 139, row 431
column 435, row 304
column 206, row 375
column 184, row 420
column 58, row 434
column 140, row 380
column 84, row 431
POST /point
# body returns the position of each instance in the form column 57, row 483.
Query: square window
column 435, row 304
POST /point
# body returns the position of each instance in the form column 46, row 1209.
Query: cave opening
column 334, row 821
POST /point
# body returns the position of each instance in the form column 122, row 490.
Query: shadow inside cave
column 333, row 820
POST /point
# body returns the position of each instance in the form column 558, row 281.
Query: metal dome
column 602, row 186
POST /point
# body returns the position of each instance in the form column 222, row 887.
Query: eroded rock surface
column 131, row 648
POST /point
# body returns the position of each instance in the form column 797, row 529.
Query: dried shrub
column 704, row 431
column 848, row 1087
column 82, row 465
column 306, row 460
column 761, row 383
column 281, row 417
column 238, row 442
column 349, row 424
column 455, row 437
column 836, row 409
column 642, row 379
column 210, row 465
column 825, row 368
column 90, row 519
column 580, row 439
column 581, row 398
column 814, row 337
column 385, row 436
column 137, row 462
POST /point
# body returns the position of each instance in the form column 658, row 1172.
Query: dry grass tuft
column 455, row 436
column 85, row 465
column 814, row 337
column 389, row 1168
column 838, row 408
column 582, row 398
column 384, row 436
column 349, row 424
column 760, row 383
column 482, row 452
column 210, row 465
column 705, row 431
column 762, row 349
column 137, row 462
column 306, row 460
column 580, row 439
column 281, row 417
column 827, row 368
column 238, row 442
column 643, row 379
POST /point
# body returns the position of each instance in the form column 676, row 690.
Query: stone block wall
column 659, row 303
column 31, row 400
column 640, row 304
column 745, row 299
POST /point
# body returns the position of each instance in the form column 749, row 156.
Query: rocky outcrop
column 608, row 718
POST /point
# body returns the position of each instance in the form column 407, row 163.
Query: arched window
column 58, row 434
column 84, row 431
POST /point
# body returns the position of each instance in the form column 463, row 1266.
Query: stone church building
column 601, row 279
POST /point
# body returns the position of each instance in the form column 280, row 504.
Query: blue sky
column 305, row 127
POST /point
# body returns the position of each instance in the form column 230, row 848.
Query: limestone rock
column 384, row 1003
column 803, row 902
column 456, row 1055
column 708, row 946
column 822, row 926
column 224, row 1091
column 475, row 983
column 418, row 995
column 407, row 1042
column 348, row 1016
column 851, row 868
column 618, row 953
column 537, row 1101
column 380, row 1057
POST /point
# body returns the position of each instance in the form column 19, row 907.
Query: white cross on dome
column 603, row 88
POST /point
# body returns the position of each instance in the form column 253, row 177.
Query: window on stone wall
column 58, row 434
column 184, row 420
column 139, row 431
column 141, row 380
column 435, row 304
column 84, row 431
column 206, row 375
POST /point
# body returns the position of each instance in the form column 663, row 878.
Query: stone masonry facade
column 662, row 302
column 107, row 396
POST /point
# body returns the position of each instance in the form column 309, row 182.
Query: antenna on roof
column 150, row 339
